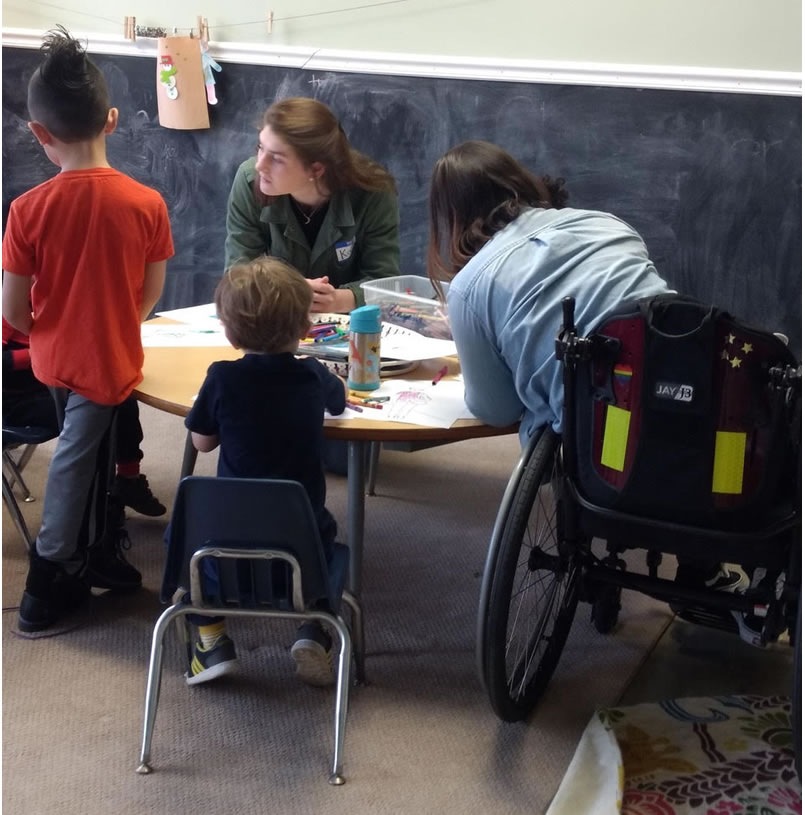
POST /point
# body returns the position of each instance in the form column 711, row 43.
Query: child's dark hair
column 67, row 93
column 264, row 305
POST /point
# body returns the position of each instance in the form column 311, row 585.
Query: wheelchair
column 669, row 446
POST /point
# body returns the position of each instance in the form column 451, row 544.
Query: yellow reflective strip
column 728, row 462
column 616, row 434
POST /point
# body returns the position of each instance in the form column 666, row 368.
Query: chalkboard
column 713, row 181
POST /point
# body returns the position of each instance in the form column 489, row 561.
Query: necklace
column 308, row 216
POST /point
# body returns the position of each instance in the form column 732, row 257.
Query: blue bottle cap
column 365, row 320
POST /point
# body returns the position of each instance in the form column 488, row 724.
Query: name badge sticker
column 343, row 250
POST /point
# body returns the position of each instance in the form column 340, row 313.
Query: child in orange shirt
column 87, row 252
column 26, row 401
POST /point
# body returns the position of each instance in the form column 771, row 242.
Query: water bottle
column 364, row 348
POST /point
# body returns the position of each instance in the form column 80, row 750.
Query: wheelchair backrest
column 683, row 413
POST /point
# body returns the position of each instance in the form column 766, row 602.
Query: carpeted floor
column 420, row 737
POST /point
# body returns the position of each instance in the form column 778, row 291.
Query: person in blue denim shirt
column 512, row 251
column 266, row 412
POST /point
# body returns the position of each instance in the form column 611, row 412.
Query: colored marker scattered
column 439, row 374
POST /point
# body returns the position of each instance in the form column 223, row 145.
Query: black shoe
column 136, row 494
column 50, row 594
column 107, row 567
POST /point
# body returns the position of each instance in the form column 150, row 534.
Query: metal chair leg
column 374, row 459
column 15, row 470
column 358, row 636
column 16, row 515
column 341, row 699
column 154, row 681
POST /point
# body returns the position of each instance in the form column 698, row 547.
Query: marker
column 355, row 406
column 378, row 399
column 439, row 374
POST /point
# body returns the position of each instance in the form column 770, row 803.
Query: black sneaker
column 210, row 663
column 136, row 494
column 729, row 578
column 107, row 567
column 50, row 594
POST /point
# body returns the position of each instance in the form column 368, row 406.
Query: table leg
column 356, row 463
column 189, row 458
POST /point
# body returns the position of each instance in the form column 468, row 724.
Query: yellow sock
column 210, row 633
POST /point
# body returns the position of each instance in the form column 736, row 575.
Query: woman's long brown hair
column 476, row 189
column 312, row 131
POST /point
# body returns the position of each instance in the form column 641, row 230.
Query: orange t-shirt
column 85, row 237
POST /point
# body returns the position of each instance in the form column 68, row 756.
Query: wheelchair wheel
column 532, row 587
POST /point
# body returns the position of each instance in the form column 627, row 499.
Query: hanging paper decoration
column 181, row 96
column 208, row 65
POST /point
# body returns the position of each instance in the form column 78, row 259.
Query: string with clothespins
column 131, row 30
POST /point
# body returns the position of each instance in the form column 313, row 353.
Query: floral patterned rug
column 723, row 755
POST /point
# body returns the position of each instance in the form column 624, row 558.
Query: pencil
column 439, row 374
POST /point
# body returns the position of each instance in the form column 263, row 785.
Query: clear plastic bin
column 410, row 301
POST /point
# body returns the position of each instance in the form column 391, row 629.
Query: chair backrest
column 682, row 413
column 247, row 513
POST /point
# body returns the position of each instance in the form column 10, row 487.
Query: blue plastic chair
column 263, row 538
column 27, row 437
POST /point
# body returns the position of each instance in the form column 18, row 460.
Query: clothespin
column 129, row 29
column 203, row 28
column 270, row 21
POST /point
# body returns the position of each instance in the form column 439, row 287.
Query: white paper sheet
column 415, row 402
column 194, row 315
column 182, row 336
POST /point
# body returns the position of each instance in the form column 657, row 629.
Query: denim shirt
column 505, row 307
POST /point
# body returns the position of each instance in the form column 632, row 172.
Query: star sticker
column 735, row 362
column 725, row 354
column 747, row 348
column 730, row 339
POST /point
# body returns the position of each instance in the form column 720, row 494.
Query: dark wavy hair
column 312, row 131
column 67, row 93
column 476, row 189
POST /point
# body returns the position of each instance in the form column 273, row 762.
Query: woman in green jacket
column 311, row 199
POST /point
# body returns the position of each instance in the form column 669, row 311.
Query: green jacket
column 359, row 238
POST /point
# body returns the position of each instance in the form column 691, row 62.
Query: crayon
column 375, row 405
column 355, row 406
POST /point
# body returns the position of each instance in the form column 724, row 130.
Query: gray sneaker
column 313, row 654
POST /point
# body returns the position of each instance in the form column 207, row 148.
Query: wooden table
column 173, row 376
